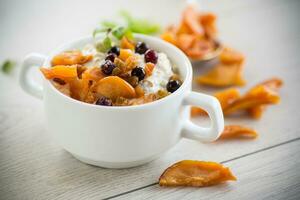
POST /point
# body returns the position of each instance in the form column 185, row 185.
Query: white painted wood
column 33, row 166
column 271, row 174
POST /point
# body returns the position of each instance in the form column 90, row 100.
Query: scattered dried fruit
column 230, row 56
column 237, row 131
column 196, row 174
column 126, row 44
column 70, row 58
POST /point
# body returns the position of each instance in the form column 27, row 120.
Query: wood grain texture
column 271, row 174
column 33, row 166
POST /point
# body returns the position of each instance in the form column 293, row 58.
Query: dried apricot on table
column 222, row 76
column 63, row 72
column 70, row 58
column 273, row 84
column 230, row 56
column 196, row 174
column 113, row 87
column 237, row 131
column 256, row 96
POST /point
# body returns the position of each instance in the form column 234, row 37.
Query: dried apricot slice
column 230, row 56
column 259, row 95
column 273, row 84
column 63, row 72
column 126, row 43
column 149, row 68
column 190, row 18
column 114, row 87
column 237, row 131
column 70, row 58
column 125, row 53
column 196, row 174
column 223, row 75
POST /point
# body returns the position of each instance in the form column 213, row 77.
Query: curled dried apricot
column 113, row 87
column 196, row 174
column 70, row 58
column 230, row 56
column 223, row 75
column 63, row 72
column 237, row 131
column 257, row 96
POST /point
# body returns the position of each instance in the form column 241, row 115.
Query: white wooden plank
column 33, row 166
column 271, row 174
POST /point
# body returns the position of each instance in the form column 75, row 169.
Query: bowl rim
column 186, row 82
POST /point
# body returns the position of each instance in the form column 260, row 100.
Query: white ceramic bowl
column 120, row 137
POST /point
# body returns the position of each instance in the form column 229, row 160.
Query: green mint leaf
column 118, row 32
column 8, row 66
column 108, row 24
column 105, row 45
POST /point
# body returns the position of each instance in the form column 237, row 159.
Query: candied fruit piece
column 259, row 95
column 113, row 87
column 237, row 131
column 125, row 53
column 149, row 68
column 222, row 76
column 70, row 58
column 195, row 174
column 63, row 72
column 127, row 44
column 230, row 56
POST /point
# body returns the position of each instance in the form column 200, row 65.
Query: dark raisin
column 115, row 50
column 138, row 72
column 141, row 47
column 111, row 57
column 103, row 101
column 173, row 85
column 151, row 56
column 107, row 67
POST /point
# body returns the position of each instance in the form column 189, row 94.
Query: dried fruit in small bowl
column 127, row 73
column 196, row 34
column 195, row 174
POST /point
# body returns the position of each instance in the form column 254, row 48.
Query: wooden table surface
column 34, row 166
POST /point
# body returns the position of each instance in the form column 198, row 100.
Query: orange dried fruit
column 63, row 72
column 185, row 41
column 257, row 96
column 222, row 76
column 130, row 63
column 125, row 53
column 70, row 58
column 190, row 18
column 230, row 56
column 126, row 44
column 149, row 68
column 196, row 174
column 114, row 87
column 208, row 21
column 225, row 98
column 169, row 37
column 273, row 84
column 237, row 131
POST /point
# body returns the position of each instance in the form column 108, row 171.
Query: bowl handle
column 212, row 106
column 28, row 85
